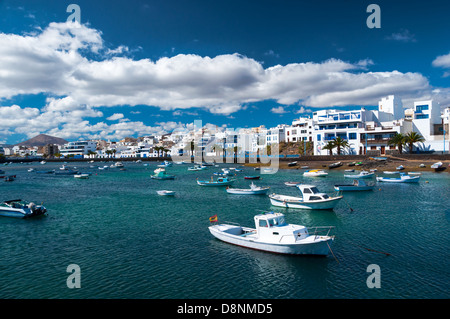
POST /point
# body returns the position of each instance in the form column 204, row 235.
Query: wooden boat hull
column 313, row 245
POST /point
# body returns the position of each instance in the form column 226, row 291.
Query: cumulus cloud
column 115, row 116
column 278, row 110
column 70, row 64
column 58, row 60
column 443, row 61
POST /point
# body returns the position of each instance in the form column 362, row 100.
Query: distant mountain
column 42, row 140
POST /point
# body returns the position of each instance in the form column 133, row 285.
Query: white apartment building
column 300, row 130
column 78, row 148
column 330, row 124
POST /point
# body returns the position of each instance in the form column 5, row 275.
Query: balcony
column 375, row 141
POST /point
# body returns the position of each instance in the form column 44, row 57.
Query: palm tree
column 340, row 142
column 329, row 147
column 411, row 138
column 399, row 140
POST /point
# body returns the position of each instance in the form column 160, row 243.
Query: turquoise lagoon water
column 131, row 243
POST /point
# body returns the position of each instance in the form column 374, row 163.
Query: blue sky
column 140, row 67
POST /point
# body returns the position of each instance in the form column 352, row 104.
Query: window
column 352, row 136
column 318, row 137
column 262, row 223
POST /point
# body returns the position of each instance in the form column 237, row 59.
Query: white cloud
column 278, row 110
column 403, row 36
column 115, row 116
column 71, row 65
column 54, row 61
column 442, row 61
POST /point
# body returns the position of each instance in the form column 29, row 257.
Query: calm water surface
column 131, row 243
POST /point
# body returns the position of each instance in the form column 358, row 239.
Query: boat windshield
column 277, row 221
column 314, row 190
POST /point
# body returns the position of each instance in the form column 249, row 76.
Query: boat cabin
column 311, row 193
column 272, row 227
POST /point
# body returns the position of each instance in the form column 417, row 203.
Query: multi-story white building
column 300, row 130
column 427, row 121
column 78, row 148
column 330, row 124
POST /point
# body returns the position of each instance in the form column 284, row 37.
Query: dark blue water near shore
column 131, row 243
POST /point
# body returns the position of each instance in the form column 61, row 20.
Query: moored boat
column 252, row 177
column 160, row 173
column 21, row 209
column 197, row 168
column 292, row 183
column 311, row 198
column 81, row 176
column 273, row 234
column 438, row 167
column 357, row 185
column 334, row 165
column 165, row 193
column 404, row 178
column 292, row 164
column 315, row 173
column 220, row 181
column 253, row 190
column 362, row 174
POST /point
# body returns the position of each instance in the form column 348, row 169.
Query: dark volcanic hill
column 42, row 140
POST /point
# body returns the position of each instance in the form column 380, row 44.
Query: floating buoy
column 426, row 182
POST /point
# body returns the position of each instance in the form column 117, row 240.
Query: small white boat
column 311, row 198
column 362, row 174
column 292, row 183
column 160, row 173
column 165, row 193
column 43, row 162
column 81, row 176
column 165, row 164
column 334, row 165
column 414, row 173
column 30, row 170
column 389, row 172
column 118, row 164
column 63, row 167
column 399, row 168
column 197, row 168
column 404, row 178
column 315, row 173
column 438, row 167
column 21, row 209
column 292, row 164
column 422, row 165
column 358, row 185
column 349, row 170
column 253, row 190
column 273, row 234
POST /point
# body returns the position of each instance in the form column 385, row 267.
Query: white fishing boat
column 118, row 164
column 400, row 168
column 165, row 193
column 315, row 173
column 253, row 190
column 404, row 178
column 21, row 209
column 221, row 181
column 292, row 183
column 362, row 174
column 165, row 164
column 349, row 170
column 63, row 167
column 311, row 198
column 43, row 162
column 197, row 168
column 160, row 173
column 414, row 173
column 273, row 234
column 389, row 172
column 357, row 185
column 81, row 176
